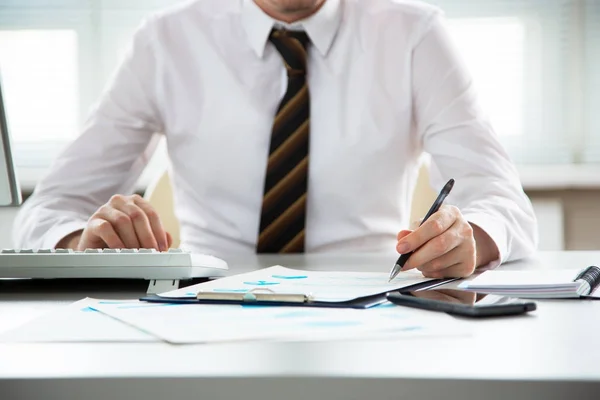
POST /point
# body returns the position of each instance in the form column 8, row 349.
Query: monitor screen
column 10, row 194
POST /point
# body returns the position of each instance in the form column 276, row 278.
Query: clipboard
column 267, row 297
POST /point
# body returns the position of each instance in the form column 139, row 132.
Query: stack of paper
column 92, row 320
column 191, row 322
column 77, row 322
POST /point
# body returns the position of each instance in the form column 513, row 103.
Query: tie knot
column 292, row 47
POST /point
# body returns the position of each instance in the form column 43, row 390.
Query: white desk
column 541, row 356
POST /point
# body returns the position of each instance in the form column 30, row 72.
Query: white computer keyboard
column 149, row 264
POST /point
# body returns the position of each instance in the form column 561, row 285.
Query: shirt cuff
column 496, row 230
column 59, row 232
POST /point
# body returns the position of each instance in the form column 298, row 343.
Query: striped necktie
column 283, row 212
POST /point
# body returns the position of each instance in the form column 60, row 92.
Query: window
column 528, row 60
column 534, row 63
column 591, row 82
column 497, row 70
column 40, row 76
column 55, row 58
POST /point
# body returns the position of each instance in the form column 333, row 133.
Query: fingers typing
column 156, row 225
column 104, row 230
column 126, row 222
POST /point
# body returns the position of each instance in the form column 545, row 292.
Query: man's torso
column 218, row 98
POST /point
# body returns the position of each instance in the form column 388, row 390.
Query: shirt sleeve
column 457, row 134
column 106, row 159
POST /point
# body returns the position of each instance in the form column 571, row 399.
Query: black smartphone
column 461, row 302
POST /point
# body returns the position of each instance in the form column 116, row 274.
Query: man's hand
column 447, row 246
column 125, row 222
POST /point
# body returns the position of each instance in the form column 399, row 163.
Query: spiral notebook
column 567, row 283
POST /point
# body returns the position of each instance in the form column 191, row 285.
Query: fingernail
column 403, row 248
column 162, row 246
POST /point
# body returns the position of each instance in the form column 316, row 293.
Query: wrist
column 70, row 241
column 485, row 247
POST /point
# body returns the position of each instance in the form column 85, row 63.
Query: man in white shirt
column 246, row 93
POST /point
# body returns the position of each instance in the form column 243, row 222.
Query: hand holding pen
column 443, row 246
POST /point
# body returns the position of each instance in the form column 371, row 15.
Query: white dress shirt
column 386, row 85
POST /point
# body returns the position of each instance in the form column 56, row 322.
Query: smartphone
column 461, row 302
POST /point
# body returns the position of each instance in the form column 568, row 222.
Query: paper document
column 321, row 286
column 77, row 322
column 529, row 279
column 194, row 323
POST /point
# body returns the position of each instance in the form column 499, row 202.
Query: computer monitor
column 10, row 193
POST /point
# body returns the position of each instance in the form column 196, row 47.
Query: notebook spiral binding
column 591, row 276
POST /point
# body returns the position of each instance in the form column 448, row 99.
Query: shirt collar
column 321, row 27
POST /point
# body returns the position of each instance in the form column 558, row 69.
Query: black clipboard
column 266, row 298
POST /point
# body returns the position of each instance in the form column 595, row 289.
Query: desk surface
column 542, row 355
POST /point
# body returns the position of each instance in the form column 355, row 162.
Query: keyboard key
column 147, row 251
column 111, row 251
column 92, row 251
column 45, row 251
column 63, row 251
column 27, row 251
column 128, row 251
column 178, row 251
column 9, row 251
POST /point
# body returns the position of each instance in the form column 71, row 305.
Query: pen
column 434, row 208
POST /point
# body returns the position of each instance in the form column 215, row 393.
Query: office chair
column 160, row 195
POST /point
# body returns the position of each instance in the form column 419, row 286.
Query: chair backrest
column 160, row 195
column 424, row 195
